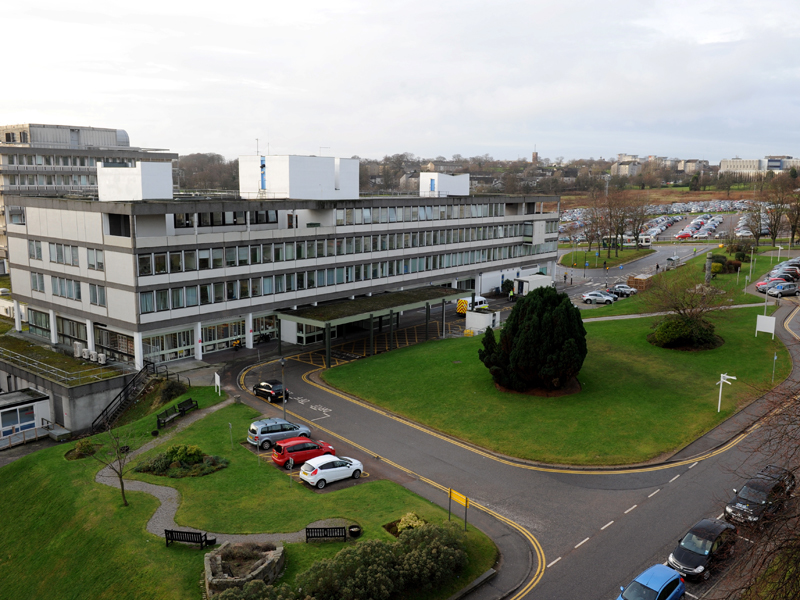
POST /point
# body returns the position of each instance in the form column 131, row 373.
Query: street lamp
column 283, row 384
column 779, row 254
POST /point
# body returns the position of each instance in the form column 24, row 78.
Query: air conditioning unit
column 101, row 358
column 77, row 349
column 93, row 356
column 85, row 353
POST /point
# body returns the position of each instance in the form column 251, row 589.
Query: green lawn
column 580, row 257
column 637, row 401
column 74, row 539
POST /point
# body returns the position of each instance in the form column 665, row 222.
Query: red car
column 295, row 451
column 683, row 236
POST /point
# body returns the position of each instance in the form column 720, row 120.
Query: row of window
column 48, row 160
column 67, row 255
column 409, row 214
column 52, row 180
column 217, row 219
column 69, row 288
column 161, row 263
column 211, row 293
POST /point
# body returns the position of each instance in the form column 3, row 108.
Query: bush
column 733, row 266
column 84, row 447
column 409, row 521
column 421, row 558
column 508, row 285
column 717, row 268
column 258, row 590
column 187, row 455
column 719, row 258
column 246, row 551
column 675, row 332
column 171, row 390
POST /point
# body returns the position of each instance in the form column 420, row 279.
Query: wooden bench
column 163, row 419
column 326, row 533
column 189, row 537
column 187, row 405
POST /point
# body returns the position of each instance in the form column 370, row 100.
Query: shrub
column 258, row 590
column 734, row 265
column 675, row 332
column 421, row 558
column 507, row 286
column 246, row 551
column 171, row 390
column 719, row 258
column 188, row 455
column 717, row 267
column 84, row 447
column 409, row 521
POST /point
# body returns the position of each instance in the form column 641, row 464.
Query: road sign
column 586, row 264
column 460, row 499
column 597, row 254
column 620, row 267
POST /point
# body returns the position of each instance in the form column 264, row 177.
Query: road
column 564, row 534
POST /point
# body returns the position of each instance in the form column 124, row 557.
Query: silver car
column 266, row 432
column 784, row 289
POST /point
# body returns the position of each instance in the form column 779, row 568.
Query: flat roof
column 20, row 397
column 339, row 312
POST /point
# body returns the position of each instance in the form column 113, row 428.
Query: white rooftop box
column 298, row 177
column 145, row 181
column 439, row 185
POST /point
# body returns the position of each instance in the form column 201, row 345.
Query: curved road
column 563, row 533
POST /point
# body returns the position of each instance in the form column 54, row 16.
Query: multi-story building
column 693, row 165
column 138, row 275
column 758, row 167
column 629, row 168
column 58, row 160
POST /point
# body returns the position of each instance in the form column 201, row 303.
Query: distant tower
column 535, row 158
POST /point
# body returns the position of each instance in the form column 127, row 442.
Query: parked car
column 765, row 284
column 266, row 432
column 683, row 235
column 296, row 451
column 656, row 583
column 321, row 471
column 721, row 235
column 703, row 548
column 701, row 235
column 272, row 390
column 597, row 298
column 784, row 289
column 761, row 496
column 623, row 290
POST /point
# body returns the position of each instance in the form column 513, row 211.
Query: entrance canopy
column 341, row 312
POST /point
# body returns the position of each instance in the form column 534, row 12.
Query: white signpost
column 217, row 385
column 723, row 379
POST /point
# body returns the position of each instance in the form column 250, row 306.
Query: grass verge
column 73, row 539
column 579, row 257
column 637, row 401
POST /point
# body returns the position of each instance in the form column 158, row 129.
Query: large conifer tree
column 542, row 344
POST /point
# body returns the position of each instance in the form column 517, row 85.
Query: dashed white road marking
column 691, row 595
column 693, row 464
column 606, row 525
column 582, row 543
column 554, row 562
column 674, row 478
column 631, row 508
column 654, row 493
column 721, row 515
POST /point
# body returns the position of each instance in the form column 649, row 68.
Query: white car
column 322, row 470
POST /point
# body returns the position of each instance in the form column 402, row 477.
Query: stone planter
column 355, row 531
column 266, row 569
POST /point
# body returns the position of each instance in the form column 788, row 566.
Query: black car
column 702, row 549
column 272, row 390
column 762, row 496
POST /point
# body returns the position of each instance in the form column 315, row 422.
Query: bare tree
column 617, row 215
column 115, row 454
column 596, row 221
column 636, row 208
column 778, row 198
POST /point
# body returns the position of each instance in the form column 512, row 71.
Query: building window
column 230, row 290
column 190, row 260
column 175, row 262
column 95, row 259
column 204, row 259
column 206, row 294
column 39, row 323
column 177, row 297
column 162, row 300
column 146, row 304
column 37, row 282
column 191, row 296
column 97, row 294
column 35, row 250
column 119, row 225
column 66, row 288
column 230, row 257
column 160, row 262
column 64, row 255
column 145, row 264
column 216, row 258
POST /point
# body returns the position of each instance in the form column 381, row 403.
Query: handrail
column 50, row 425
column 105, row 418
column 54, row 373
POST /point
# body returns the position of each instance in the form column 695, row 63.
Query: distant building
column 535, row 158
column 758, row 166
column 627, row 168
column 442, row 166
column 693, row 165
column 46, row 160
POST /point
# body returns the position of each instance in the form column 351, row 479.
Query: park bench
column 163, row 419
column 325, row 533
column 189, row 537
column 186, row 406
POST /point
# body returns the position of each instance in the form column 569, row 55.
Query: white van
column 465, row 304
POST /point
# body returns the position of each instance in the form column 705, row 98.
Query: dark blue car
column 656, row 583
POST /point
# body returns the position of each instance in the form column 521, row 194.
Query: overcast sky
column 689, row 79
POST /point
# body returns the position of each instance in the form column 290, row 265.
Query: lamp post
column 283, row 385
column 779, row 254
column 723, row 379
